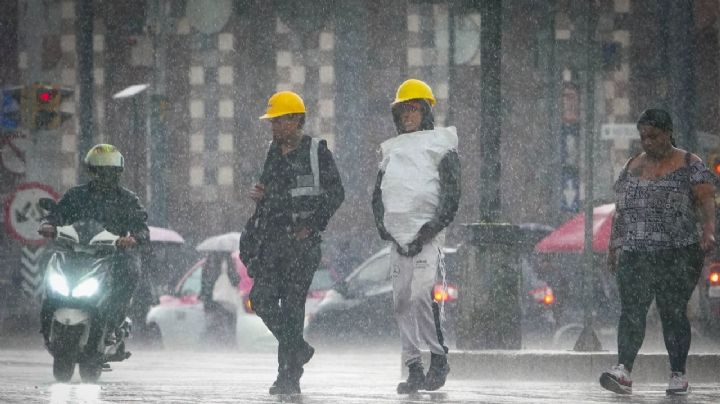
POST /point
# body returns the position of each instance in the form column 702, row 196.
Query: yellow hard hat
column 414, row 89
column 105, row 155
column 284, row 103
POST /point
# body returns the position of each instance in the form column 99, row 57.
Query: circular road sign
column 23, row 213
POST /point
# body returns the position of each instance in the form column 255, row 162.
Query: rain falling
column 359, row 201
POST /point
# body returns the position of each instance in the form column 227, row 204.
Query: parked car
column 361, row 305
column 164, row 261
column 539, row 302
column 180, row 319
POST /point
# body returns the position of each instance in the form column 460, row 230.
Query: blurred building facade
column 225, row 58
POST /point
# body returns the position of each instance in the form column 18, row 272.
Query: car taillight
column 714, row 278
column 543, row 295
column 549, row 297
column 447, row 294
column 247, row 305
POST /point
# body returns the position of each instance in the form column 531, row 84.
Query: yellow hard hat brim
column 275, row 115
column 398, row 101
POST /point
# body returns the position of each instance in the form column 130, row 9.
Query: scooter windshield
column 87, row 230
column 86, row 237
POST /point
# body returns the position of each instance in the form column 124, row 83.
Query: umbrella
column 225, row 242
column 162, row 235
column 570, row 236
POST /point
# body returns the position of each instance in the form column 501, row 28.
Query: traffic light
column 43, row 104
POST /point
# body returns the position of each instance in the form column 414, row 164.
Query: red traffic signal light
column 45, row 97
column 716, row 168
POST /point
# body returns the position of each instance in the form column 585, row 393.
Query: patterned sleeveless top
column 658, row 214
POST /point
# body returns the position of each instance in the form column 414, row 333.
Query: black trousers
column 279, row 292
column 669, row 277
column 126, row 273
column 219, row 325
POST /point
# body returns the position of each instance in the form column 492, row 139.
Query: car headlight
column 59, row 284
column 86, row 288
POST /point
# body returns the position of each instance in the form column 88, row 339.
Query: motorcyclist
column 119, row 211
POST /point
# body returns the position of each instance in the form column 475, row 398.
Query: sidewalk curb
column 569, row 366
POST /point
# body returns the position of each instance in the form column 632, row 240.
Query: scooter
column 78, row 284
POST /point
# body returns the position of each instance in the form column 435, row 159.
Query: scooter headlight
column 86, row 288
column 59, row 284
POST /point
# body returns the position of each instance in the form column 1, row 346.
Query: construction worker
column 416, row 196
column 298, row 192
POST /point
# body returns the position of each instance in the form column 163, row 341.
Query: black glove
column 428, row 231
column 385, row 235
column 251, row 265
column 412, row 250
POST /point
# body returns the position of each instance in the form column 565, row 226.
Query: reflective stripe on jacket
column 302, row 188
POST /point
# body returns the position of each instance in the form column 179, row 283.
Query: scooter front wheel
column 63, row 368
column 90, row 371
column 64, row 348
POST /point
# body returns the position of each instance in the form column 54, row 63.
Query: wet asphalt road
column 333, row 376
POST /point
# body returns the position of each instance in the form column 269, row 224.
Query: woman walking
column 664, row 223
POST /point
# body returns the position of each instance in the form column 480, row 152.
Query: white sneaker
column 617, row 380
column 678, row 384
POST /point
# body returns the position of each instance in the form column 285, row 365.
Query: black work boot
column 437, row 373
column 278, row 385
column 288, row 380
column 415, row 380
column 304, row 354
column 286, row 384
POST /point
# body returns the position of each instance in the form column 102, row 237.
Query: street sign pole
column 86, row 13
column 158, row 101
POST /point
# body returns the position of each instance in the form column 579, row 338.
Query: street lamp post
column 489, row 309
column 135, row 94
column 85, row 10
column 588, row 340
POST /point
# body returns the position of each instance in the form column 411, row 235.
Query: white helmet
column 104, row 155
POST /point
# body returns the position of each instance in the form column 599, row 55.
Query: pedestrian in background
column 218, row 292
column 299, row 191
column 664, row 224
column 416, row 197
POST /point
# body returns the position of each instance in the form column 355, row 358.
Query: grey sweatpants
column 413, row 281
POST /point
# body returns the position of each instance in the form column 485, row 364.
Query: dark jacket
column 118, row 210
column 449, row 170
column 283, row 173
